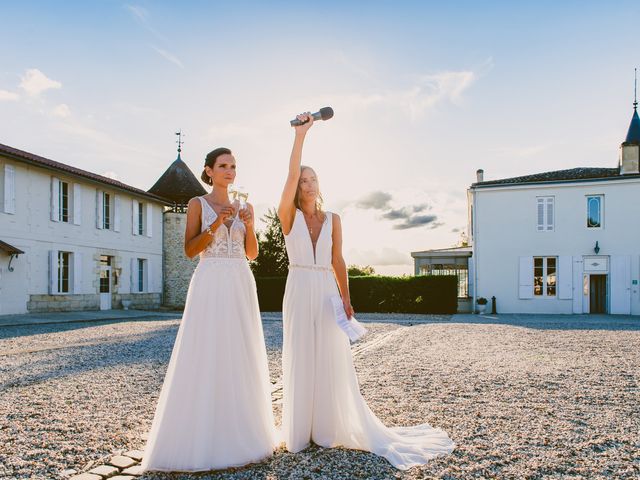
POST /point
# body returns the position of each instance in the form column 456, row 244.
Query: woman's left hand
column 246, row 217
column 348, row 309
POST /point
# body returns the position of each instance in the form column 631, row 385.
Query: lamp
column 596, row 248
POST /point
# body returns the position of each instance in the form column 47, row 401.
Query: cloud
column 34, row 82
column 138, row 12
column 168, row 56
column 418, row 221
column 375, row 200
column 379, row 200
column 6, row 96
column 61, row 111
column 385, row 256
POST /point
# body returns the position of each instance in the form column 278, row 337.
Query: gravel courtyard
column 522, row 396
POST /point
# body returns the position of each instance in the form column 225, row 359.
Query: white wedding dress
column 321, row 398
column 214, row 409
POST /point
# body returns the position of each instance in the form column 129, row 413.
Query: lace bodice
column 228, row 242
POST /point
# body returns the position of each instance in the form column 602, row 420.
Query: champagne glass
column 242, row 195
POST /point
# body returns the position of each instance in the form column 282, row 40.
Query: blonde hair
column 296, row 199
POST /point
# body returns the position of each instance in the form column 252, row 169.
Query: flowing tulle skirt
column 321, row 398
column 214, row 409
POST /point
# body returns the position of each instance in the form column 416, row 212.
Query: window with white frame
column 63, row 272
column 141, row 271
column 140, row 218
column 544, row 276
column 65, row 201
column 595, row 205
column 545, row 213
column 107, row 211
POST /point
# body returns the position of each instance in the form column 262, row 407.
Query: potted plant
column 482, row 304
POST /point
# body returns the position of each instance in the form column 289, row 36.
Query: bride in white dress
column 321, row 398
column 214, row 409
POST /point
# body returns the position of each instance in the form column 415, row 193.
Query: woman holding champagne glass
column 214, row 409
column 321, row 398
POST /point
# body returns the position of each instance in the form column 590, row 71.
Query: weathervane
column 179, row 141
column 635, row 88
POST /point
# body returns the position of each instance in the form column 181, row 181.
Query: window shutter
column 9, row 189
column 55, row 199
column 577, row 284
column 149, row 284
column 550, row 213
column 565, row 277
column 149, row 220
column 134, row 216
column 540, row 213
column 116, row 213
column 525, row 289
column 53, row 272
column 77, row 272
column 77, row 204
column 99, row 208
column 134, row 275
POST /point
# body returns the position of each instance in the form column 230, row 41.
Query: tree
column 272, row 259
column 358, row 271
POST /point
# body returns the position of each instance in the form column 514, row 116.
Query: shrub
column 421, row 294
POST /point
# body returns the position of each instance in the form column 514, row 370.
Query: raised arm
column 287, row 209
column 339, row 266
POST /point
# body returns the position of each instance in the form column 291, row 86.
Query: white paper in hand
column 352, row 328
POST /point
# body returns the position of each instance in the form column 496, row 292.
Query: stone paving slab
column 121, row 461
column 135, row 454
column 105, row 471
column 86, row 476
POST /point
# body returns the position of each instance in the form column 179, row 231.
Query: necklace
column 310, row 218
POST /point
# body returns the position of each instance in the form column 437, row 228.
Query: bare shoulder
column 335, row 218
column 194, row 203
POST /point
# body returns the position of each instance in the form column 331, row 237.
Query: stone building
column 74, row 240
column 177, row 185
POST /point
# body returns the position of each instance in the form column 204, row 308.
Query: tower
column 177, row 184
column 629, row 160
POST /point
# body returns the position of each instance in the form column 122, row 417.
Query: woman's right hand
column 302, row 129
column 226, row 213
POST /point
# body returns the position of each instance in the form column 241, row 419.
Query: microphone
column 325, row 113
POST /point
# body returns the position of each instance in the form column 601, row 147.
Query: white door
column 621, row 284
column 105, row 287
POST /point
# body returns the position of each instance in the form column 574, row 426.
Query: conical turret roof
column 633, row 135
column 178, row 184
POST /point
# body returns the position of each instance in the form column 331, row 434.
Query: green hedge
column 422, row 294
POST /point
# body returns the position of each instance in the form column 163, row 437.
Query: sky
column 424, row 94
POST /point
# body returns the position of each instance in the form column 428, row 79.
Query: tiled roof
column 43, row 162
column 569, row 175
column 178, row 184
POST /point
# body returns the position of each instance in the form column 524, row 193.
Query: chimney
column 480, row 175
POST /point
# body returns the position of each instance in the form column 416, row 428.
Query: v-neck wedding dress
column 321, row 398
column 214, row 409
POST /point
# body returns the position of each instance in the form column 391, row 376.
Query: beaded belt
column 323, row 268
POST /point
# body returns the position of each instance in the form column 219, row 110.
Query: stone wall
column 70, row 303
column 178, row 269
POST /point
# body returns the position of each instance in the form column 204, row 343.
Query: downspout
column 474, row 250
